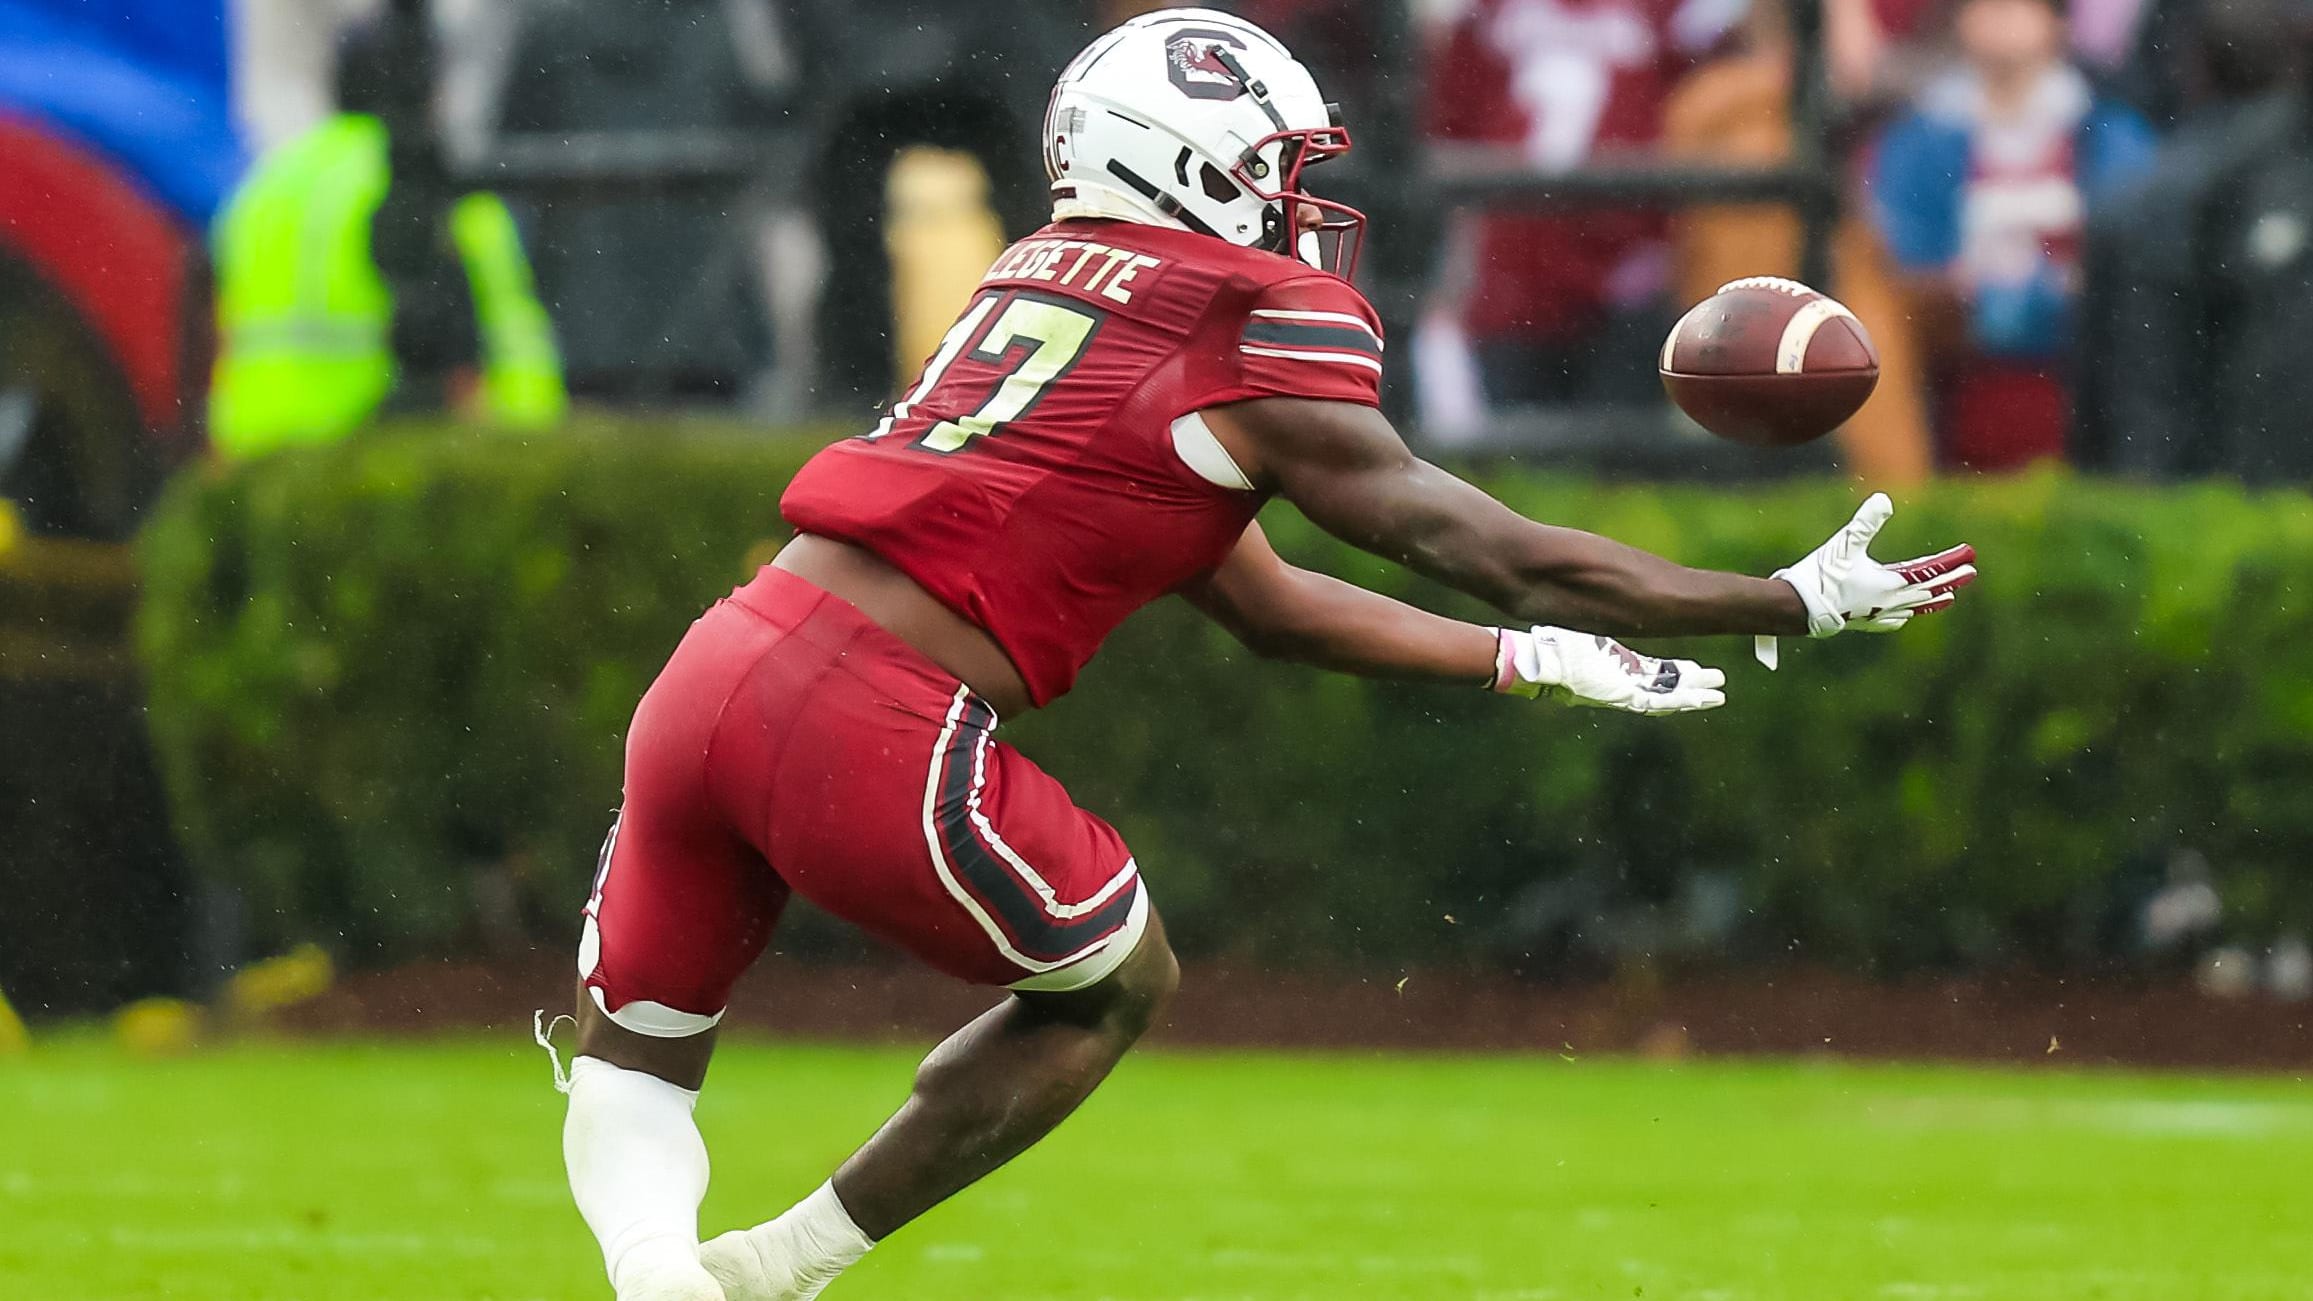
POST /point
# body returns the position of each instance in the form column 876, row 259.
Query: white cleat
column 736, row 1262
column 671, row 1281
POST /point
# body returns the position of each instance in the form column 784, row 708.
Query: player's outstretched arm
column 1280, row 611
column 1347, row 469
column 1283, row 612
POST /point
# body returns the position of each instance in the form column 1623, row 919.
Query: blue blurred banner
column 145, row 82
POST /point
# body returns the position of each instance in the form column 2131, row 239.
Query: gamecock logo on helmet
column 1189, row 61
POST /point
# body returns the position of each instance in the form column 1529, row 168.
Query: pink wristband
column 1505, row 662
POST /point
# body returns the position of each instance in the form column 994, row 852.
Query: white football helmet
column 1197, row 119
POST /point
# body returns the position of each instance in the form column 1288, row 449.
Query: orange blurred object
column 1735, row 111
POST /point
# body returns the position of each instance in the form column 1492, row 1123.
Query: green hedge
column 380, row 669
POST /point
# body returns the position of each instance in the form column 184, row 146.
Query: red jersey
column 1563, row 81
column 1030, row 479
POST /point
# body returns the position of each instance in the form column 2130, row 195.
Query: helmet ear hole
column 1218, row 188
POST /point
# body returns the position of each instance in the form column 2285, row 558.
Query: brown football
column 1769, row 362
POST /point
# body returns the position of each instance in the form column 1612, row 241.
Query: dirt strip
column 2015, row 1020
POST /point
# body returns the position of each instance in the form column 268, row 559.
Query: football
column 1769, row 362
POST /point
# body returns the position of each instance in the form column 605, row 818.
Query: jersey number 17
column 1028, row 341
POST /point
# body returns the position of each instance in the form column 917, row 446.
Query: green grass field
column 431, row 1171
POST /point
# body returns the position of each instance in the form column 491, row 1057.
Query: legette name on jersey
column 1076, row 263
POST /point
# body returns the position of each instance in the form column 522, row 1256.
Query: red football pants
column 792, row 744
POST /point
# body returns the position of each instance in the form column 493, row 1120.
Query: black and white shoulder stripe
column 1336, row 337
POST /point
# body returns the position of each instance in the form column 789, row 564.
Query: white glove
column 1843, row 587
column 1585, row 669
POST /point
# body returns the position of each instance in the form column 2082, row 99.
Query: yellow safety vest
column 521, row 368
column 305, row 318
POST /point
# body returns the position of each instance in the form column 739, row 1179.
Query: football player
column 1126, row 389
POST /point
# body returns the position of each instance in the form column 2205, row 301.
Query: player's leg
column 984, row 1096
column 919, row 827
column 682, row 905
column 1001, row 1083
column 637, row 1164
column 671, row 927
column 681, row 1061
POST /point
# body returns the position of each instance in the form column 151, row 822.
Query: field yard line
column 955, row 1253
column 2190, row 1119
column 1241, row 1257
column 224, row 1187
column 2136, row 1118
column 540, row 1192
column 334, row 1241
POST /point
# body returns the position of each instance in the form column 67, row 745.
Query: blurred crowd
column 2076, row 232
column 2076, row 229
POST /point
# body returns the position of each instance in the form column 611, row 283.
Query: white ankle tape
column 823, row 1214
column 819, row 1238
column 638, row 1168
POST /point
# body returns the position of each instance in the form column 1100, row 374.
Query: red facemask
column 1340, row 231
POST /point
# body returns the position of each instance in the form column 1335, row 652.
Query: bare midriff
column 894, row 602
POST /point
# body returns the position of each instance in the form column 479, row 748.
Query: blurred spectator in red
column 1981, row 192
column 1736, row 110
column 1563, row 306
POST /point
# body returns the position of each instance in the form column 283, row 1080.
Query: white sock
column 638, row 1168
column 795, row 1255
column 821, row 1235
